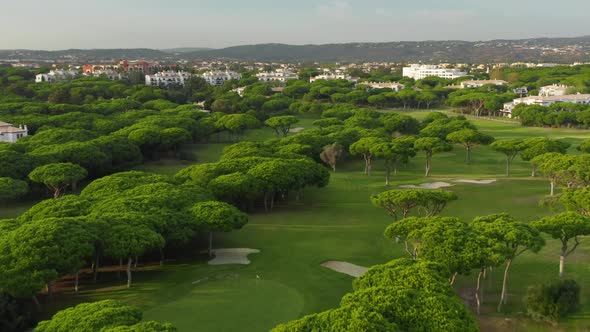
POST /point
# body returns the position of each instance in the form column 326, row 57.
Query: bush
column 553, row 301
column 13, row 317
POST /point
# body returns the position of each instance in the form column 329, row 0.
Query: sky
column 63, row 24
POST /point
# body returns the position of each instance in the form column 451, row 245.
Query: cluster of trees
column 402, row 295
column 101, row 316
column 120, row 217
column 486, row 242
column 484, row 101
column 250, row 173
column 535, row 78
column 391, row 137
column 568, row 115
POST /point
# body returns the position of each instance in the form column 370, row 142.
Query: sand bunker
column 296, row 130
column 433, row 185
column 232, row 256
column 475, row 181
column 346, row 268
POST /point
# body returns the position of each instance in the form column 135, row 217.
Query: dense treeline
column 98, row 129
column 535, row 78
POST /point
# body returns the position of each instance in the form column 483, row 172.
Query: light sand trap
column 433, row 185
column 346, row 268
column 232, row 256
column 296, row 130
column 475, row 181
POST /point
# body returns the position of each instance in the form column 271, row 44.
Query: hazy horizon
column 107, row 24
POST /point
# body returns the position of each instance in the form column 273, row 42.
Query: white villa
column 545, row 101
column 218, row 78
column 387, row 85
column 480, row 83
column 553, row 90
column 56, row 75
column 280, row 75
column 329, row 77
column 10, row 134
column 165, row 78
column 419, row 72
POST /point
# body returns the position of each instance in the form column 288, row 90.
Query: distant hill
column 181, row 50
column 82, row 55
column 558, row 50
column 562, row 50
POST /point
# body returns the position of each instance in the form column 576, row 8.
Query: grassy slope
column 338, row 222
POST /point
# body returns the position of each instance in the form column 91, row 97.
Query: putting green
column 246, row 303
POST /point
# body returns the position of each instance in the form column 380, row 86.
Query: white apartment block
column 553, row 90
column 218, row 78
column 10, row 134
column 166, row 78
column 387, row 85
column 331, row 77
column 56, row 75
column 419, row 72
column 280, row 75
column 545, row 101
column 480, row 83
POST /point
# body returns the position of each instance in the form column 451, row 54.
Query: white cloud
column 337, row 9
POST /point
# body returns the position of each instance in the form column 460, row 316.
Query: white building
column 480, row 83
column 56, row 75
column 10, row 134
column 330, row 77
column 111, row 74
column 218, row 78
column 387, row 85
column 553, row 90
column 545, row 101
column 166, row 78
column 419, row 72
column 280, row 75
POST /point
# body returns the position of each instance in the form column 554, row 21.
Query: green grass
column 339, row 223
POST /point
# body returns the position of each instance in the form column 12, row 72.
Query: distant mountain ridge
column 558, row 50
column 181, row 50
column 534, row 49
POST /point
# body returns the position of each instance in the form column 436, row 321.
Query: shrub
column 553, row 301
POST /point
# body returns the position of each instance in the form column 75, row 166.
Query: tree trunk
column 210, row 244
column 478, row 299
column 453, row 278
column 265, row 201
column 504, row 297
column 369, row 166
column 561, row 264
column 507, row 166
column 96, row 266
column 76, row 283
column 428, row 160
column 49, row 290
column 366, row 165
column 387, row 172
column 272, row 200
column 395, row 167
column 37, row 304
column 552, row 188
column 135, row 263
column 129, row 260
column 120, row 268
column 534, row 172
column 467, row 154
